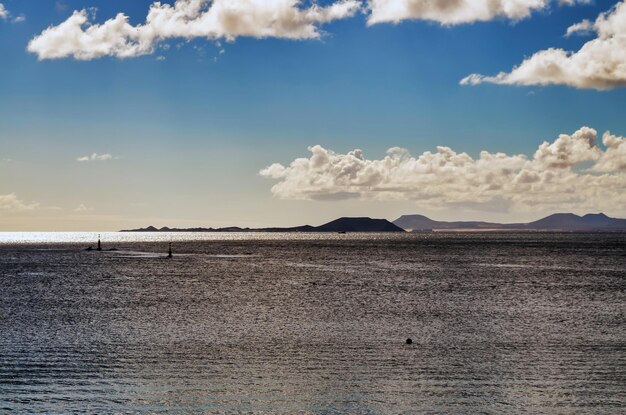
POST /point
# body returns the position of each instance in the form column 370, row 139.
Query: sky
column 118, row 114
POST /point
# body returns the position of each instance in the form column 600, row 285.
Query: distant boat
column 341, row 232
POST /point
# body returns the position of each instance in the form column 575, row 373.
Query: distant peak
column 414, row 216
column 595, row 215
column 569, row 215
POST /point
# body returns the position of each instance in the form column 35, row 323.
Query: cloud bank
column 95, row 157
column 451, row 12
column 78, row 37
column 599, row 64
column 4, row 13
column 572, row 172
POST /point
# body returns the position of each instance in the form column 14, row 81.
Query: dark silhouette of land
column 567, row 222
column 558, row 222
column 339, row 225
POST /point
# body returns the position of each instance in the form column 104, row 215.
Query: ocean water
column 313, row 324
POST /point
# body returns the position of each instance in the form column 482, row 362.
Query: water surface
column 313, row 323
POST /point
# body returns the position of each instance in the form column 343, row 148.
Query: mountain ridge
column 566, row 222
column 555, row 222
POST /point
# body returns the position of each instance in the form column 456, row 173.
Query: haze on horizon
column 282, row 112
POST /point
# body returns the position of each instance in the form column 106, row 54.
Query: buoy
column 409, row 341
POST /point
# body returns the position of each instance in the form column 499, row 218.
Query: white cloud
column 557, row 177
column 599, row 64
column 82, row 209
column 569, row 150
column 574, row 2
column 451, row 12
column 4, row 13
column 96, row 157
column 584, row 27
column 11, row 203
column 80, row 38
column 614, row 158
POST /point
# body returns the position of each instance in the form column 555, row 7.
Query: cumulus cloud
column 569, row 150
column 12, row 203
column 614, row 158
column 599, row 64
column 4, row 13
column 451, row 12
column 80, row 38
column 556, row 177
column 95, row 157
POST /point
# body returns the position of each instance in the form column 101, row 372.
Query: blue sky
column 198, row 125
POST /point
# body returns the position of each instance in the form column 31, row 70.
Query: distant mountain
column 338, row 225
column 555, row 222
column 588, row 222
column 421, row 222
column 359, row 225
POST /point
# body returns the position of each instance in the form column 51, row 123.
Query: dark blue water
column 500, row 323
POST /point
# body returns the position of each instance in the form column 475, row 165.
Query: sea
column 288, row 323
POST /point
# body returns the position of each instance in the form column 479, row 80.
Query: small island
column 341, row 225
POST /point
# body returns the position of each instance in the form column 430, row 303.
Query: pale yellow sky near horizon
column 283, row 213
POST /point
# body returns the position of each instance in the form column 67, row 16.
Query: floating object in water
column 169, row 251
column 409, row 341
column 99, row 248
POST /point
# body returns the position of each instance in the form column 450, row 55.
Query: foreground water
column 285, row 323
